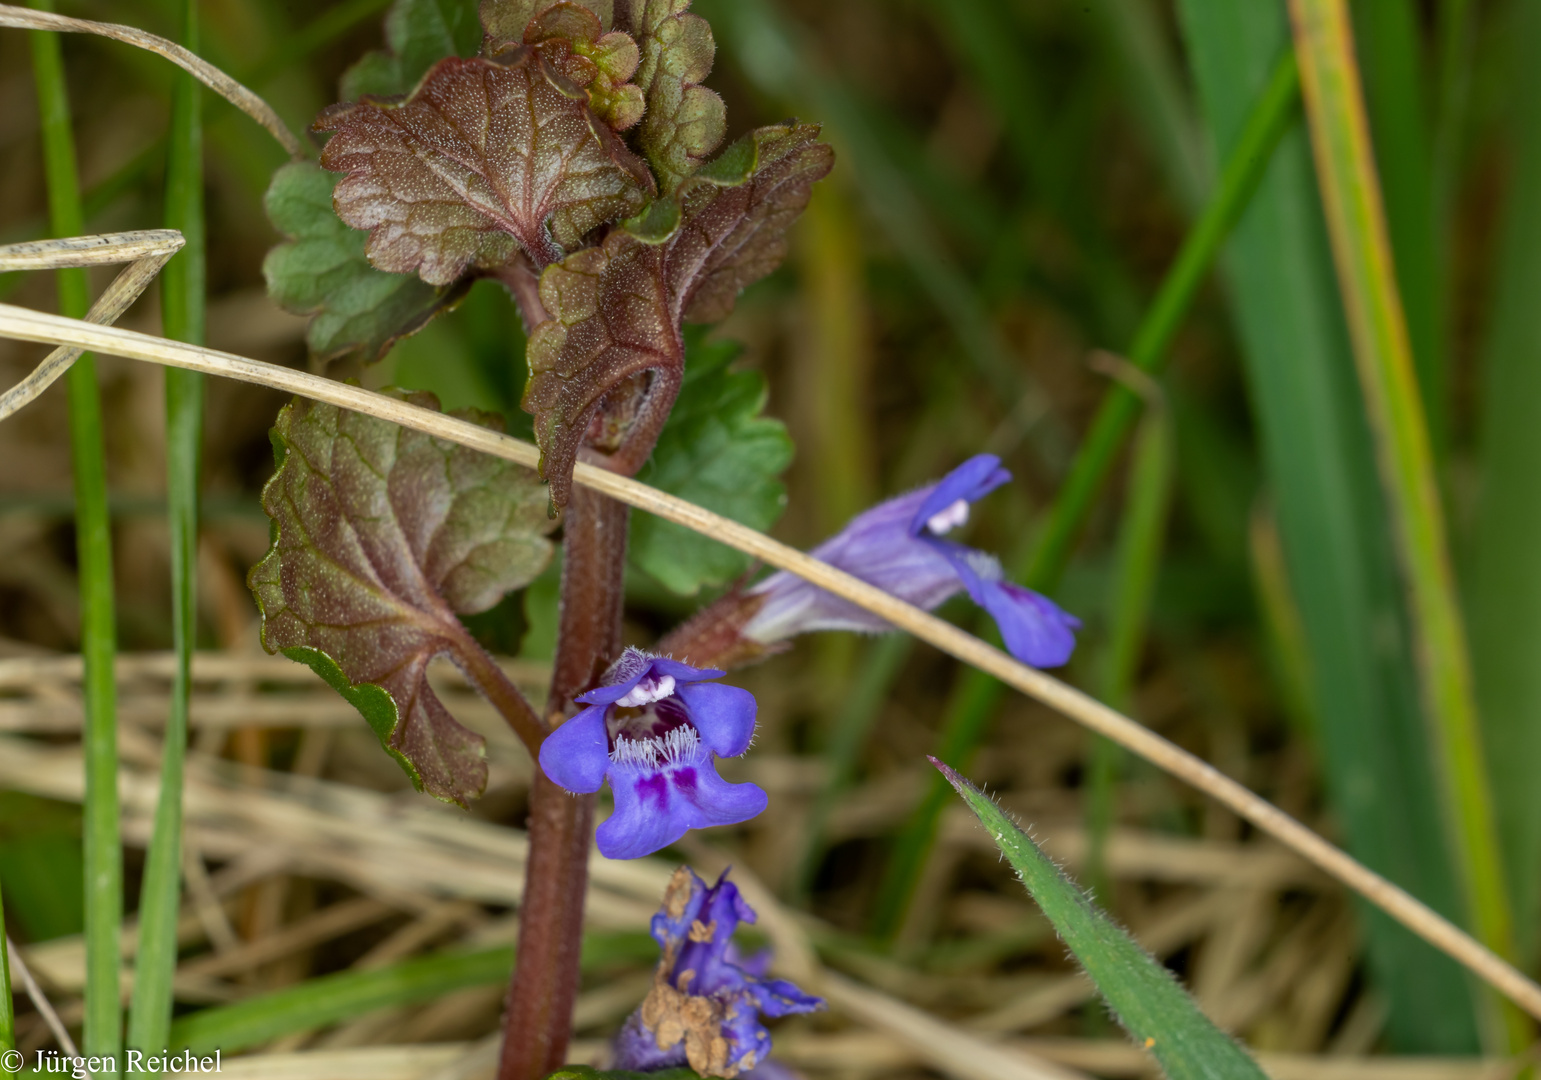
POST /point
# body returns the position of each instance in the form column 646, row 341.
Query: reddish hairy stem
column 538, row 1023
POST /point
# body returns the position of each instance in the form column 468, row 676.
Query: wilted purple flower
column 705, row 1006
column 898, row 546
column 654, row 729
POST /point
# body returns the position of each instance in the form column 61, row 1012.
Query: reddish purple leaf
column 606, row 366
column 485, row 157
column 382, row 535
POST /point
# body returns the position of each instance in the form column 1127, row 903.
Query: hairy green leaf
column 717, row 451
column 1144, row 997
column 322, row 272
column 380, row 536
column 684, row 121
column 486, row 157
column 616, row 309
column 418, row 34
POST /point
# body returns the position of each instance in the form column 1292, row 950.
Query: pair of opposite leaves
column 503, row 163
column 498, row 165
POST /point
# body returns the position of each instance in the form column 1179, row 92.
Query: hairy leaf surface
column 616, row 309
column 1142, row 994
column 684, row 121
column 418, row 34
column 717, row 451
column 486, row 157
column 572, row 38
column 381, row 535
column 322, row 272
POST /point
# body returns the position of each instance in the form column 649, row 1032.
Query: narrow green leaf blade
column 1158, row 1014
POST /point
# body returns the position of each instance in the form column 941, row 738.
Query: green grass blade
column 1383, row 358
column 1136, row 561
column 7, row 1006
column 974, row 700
column 103, row 1031
column 1506, row 574
column 1156, row 1011
column 1390, row 54
column 1319, row 463
column 331, row 999
column 182, row 318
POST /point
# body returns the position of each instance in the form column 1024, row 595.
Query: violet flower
column 653, row 728
column 705, row 1006
column 898, row 546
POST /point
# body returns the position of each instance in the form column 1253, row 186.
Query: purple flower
column 705, row 1006
column 654, row 729
column 898, row 546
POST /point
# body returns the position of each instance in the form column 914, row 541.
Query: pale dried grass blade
column 1395, row 901
column 102, row 249
column 216, row 80
column 40, row 1000
column 149, row 249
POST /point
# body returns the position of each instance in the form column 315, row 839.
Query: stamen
column 648, row 691
column 948, row 519
column 675, row 746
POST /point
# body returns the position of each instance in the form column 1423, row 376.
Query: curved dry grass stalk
column 216, row 80
column 40, row 1000
column 1397, row 902
column 147, row 250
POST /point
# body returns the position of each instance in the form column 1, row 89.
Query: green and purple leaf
column 484, row 158
column 322, row 271
column 684, row 121
column 606, row 367
column 381, row 535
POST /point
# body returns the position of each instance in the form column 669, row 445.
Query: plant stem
column 103, row 1027
column 1383, row 358
column 976, row 696
column 538, row 1024
column 183, row 286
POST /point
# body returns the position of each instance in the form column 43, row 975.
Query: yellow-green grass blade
column 1142, row 994
column 1390, row 55
column 103, row 1025
column 1318, row 461
column 1382, row 350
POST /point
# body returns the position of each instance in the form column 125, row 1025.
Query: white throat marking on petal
column 648, row 691
column 948, row 518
